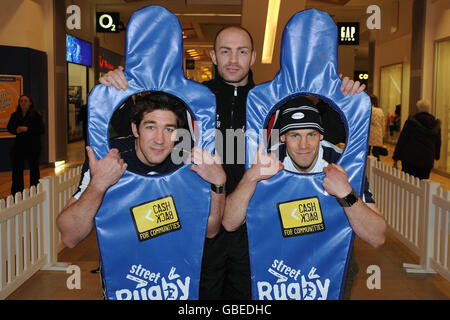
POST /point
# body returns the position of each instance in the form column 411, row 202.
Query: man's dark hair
column 374, row 100
column 236, row 27
column 158, row 100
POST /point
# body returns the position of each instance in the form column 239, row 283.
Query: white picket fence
column 417, row 213
column 29, row 239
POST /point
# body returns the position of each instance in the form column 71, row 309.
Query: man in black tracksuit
column 226, row 265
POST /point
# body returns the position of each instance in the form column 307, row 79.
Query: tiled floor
column 395, row 283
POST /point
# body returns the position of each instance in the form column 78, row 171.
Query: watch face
column 351, row 199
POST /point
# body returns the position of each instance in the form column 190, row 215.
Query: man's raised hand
column 107, row 171
column 115, row 78
column 207, row 166
column 351, row 87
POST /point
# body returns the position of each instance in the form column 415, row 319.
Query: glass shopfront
column 79, row 61
column 391, row 99
column 76, row 99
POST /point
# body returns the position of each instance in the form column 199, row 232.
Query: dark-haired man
column 155, row 120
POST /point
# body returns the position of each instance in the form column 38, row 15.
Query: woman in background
column 419, row 143
column 26, row 123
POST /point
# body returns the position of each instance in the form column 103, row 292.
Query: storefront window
column 442, row 100
column 391, row 99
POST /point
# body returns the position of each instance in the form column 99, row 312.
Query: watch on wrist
column 219, row 189
column 349, row 199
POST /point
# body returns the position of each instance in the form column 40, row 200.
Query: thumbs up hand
column 107, row 171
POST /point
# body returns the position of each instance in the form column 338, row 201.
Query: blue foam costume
column 151, row 229
column 299, row 236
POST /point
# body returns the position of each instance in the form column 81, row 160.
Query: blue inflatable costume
column 294, row 258
column 142, row 256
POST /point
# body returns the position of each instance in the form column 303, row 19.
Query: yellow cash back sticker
column 300, row 217
column 155, row 218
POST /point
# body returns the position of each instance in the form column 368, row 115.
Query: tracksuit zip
column 233, row 104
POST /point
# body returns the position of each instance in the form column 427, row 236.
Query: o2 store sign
column 108, row 22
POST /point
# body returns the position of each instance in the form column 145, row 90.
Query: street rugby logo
column 300, row 217
column 155, row 218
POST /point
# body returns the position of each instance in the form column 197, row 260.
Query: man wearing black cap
column 301, row 133
column 303, row 150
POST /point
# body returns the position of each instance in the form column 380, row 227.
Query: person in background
column 419, row 143
column 376, row 129
column 27, row 125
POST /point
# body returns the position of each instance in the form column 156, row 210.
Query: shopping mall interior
column 399, row 49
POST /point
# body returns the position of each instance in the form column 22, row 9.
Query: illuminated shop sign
column 361, row 76
column 108, row 22
column 348, row 33
column 108, row 60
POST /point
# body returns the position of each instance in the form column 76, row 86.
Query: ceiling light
column 273, row 9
